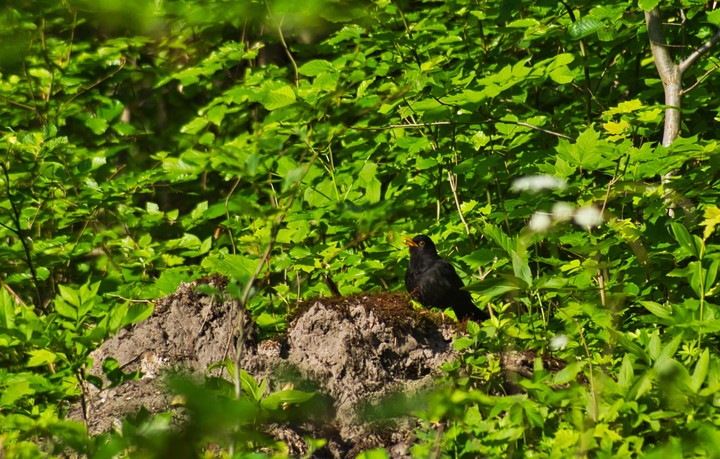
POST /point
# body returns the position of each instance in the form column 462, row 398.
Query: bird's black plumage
column 433, row 282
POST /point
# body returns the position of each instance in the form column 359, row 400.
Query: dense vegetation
column 146, row 143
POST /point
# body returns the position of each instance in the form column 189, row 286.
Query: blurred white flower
column 588, row 217
column 558, row 342
column 537, row 183
column 539, row 223
column 562, row 211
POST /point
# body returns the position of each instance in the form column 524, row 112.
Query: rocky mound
column 352, row 350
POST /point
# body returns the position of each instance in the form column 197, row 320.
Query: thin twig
column 538, row 128
column 21, row 235
column 593, row 394
column 452, row 123
column 278, row 25
column 18, row 104
column 85, row 89
column 32, row 94
column 227, row 211
column 699, row 80
column 453, row 186
column 18, row 300
column 601, row 284
column 50, row 67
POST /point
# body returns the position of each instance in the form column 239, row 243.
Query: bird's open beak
column 409, row 242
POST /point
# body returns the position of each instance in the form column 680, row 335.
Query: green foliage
column 147, row 143
column 215, row 415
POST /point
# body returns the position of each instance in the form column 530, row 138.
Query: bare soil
column 353, row 351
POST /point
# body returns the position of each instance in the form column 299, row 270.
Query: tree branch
column 669, row 74
column 23, row 240
column 660, row 51
column 690, row 60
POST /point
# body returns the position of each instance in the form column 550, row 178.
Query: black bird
column 433, row 282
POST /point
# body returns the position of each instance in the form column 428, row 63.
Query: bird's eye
column 421, row 243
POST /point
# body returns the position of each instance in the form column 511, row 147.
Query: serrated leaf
column 711, row 275
column 97, row 125
column 194, row 126
column 713, row 17
column 711, row 218
column 278, row 98
column 238, row 267
column 315, row 67
column 40, row 357
column 628, row 106
column 216, row 114
column 584, row 27
column 69, row 294
column 15, row 388
column 616, row 128
column 462, row 342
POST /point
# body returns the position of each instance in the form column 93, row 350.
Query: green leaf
column 647, row 5
column 462, row 343
column 97, row 125
column 567, row 374
column 216, row 114
column 15, row 388
column 583, row 27
column 700, row 372
column 669, row 350
column 65, row 309
column 315, row 67
column 374, row 454
column 70, row 295
column 250, row 386
column 685, row 239
column 238, row 267
column 278, row 97
column 521, row 268
column 290, row 396
column 711, row 275
column 662, row 311
column 137, row 312
column 41, row 357
column 194, row 126
column 626, row 373
column 642, row 386
column 713, row 17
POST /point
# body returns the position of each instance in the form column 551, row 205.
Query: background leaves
column 150, row 143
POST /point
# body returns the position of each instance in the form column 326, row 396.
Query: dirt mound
column 352, row 350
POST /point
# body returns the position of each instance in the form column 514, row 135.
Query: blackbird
column 433, row 282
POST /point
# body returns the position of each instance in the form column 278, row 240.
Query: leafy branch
column 17, row 229
column 670, row 73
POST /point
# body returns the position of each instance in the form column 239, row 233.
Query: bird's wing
column 437, row 283
column 410, row 280
column 447, row 271
column 459, row 299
